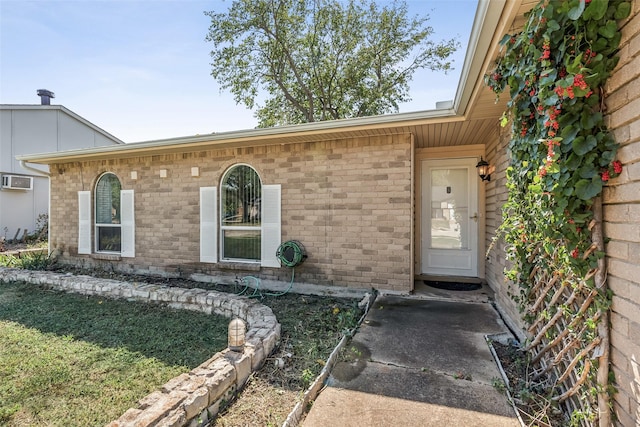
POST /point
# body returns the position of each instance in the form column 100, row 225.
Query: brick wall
column 496, row 196
column 622, row 222
column 348, row 201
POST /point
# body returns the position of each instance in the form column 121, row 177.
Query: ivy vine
column 560, row 149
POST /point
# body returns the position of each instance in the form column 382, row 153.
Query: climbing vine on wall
column 561, row 157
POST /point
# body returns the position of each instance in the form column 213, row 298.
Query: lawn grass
column 68, row 359
column 311, row 327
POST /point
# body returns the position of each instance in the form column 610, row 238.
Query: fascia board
column 487, row 18
column 482, row 37
column 65, row 110
column 250, row 135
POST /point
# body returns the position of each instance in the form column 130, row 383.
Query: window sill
column 242, row 266
column 107, row 257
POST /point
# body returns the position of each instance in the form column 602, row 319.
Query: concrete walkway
column 417, row 362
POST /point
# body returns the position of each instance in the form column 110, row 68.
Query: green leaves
column 550, row 99
column 622, row 11
column 588, row 189
column 569, row 133
column 590, row 120
column 308, row 61
column 596, row 10
column 562, row 154
column 575, row 12
column 582, row 145
column 609, row 30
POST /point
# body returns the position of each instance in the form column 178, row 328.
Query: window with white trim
column 240, row 214
column 244, row 224
column 112, row 222
column 108, row 230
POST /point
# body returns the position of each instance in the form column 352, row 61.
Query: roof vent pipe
column 45, row 96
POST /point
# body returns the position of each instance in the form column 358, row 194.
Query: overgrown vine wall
column 561, row 156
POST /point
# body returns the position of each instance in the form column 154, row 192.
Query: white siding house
column 31, row 129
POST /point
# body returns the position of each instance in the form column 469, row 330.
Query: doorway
column 449, row 223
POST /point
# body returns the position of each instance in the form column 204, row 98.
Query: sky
column 140, row 69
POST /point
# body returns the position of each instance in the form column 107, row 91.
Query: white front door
column 449, row 227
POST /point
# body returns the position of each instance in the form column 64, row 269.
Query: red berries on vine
column 617, row 167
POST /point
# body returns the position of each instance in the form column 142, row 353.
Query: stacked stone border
column 194, row 398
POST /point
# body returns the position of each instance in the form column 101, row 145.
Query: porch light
column 484, row 170
column 237, row 330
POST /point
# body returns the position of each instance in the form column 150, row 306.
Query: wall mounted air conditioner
column 16, row 182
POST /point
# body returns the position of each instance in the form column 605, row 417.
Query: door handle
column 474, row 217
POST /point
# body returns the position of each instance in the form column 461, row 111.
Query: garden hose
column 257, row 291
column 291, row 253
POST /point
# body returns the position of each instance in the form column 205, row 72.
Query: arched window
column 240, row 214
column 108, row 229
column 243, row 224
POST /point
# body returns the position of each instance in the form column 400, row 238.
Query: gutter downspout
column 24, row 165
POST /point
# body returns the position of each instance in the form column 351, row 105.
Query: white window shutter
column 84, row 222
column 128, row 224
column 271, row 229
column 208, row 224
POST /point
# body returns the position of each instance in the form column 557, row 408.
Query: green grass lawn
column 73, row 360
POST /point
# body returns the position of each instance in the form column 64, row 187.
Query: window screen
column 108, row 229
column 240, row 214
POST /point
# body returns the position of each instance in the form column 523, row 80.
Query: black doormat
column 453, row 286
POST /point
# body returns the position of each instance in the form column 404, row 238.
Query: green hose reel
column 291, row 253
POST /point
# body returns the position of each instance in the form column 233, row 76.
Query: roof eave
column 232, row 138
column 38, row 107
column 489, row 23
column 481, row 38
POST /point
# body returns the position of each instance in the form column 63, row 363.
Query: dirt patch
column 530, row 398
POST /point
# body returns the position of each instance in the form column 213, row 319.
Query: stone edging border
column 194, row 398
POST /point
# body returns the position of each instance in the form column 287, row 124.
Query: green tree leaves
column 300, row 61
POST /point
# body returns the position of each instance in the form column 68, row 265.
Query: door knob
column 474, row 217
